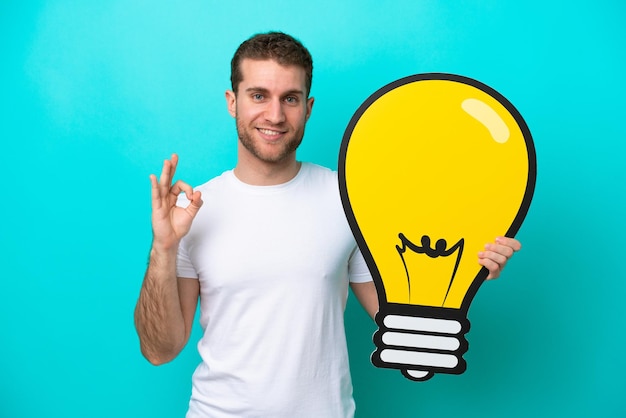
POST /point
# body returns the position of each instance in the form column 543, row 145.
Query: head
column 276, row 46
column 270, row 100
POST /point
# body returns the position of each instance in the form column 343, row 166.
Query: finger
column 493, row 259
column 174, row 162
column 167, row 174
column 155, row 194
column 493, row 267
column 494, row 256
column 502, row 250
column 512, row 243
column 165, row 179
column 181, row 186
column 195, row 204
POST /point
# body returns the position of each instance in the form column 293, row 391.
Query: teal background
column 95, row 94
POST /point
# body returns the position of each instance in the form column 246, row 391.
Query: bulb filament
column 439, row 250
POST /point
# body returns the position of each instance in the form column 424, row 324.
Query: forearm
column 158, row 314
column 367, row 297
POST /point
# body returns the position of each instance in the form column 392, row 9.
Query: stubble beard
column 283, row 151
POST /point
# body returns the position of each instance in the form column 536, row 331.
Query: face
column 271, row 109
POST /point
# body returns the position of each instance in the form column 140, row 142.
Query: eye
column 291, row 99
column 257, row 97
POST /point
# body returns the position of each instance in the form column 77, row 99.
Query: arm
column 165, row 311
column 367, row 296
column 166, row 305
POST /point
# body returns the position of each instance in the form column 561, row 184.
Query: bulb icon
column 431, row 168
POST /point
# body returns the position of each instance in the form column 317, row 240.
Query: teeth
column 269, row 132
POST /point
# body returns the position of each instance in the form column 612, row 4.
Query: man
column 270, row 257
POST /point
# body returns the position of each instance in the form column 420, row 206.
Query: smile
column 270, row 132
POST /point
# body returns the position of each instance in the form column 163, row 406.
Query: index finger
column 514, row 244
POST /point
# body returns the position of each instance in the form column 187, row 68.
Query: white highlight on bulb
column 485, row 114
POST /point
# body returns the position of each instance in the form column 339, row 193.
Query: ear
column 309, row 107
column 231, row 102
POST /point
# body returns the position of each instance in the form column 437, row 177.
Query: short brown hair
column 277, row 46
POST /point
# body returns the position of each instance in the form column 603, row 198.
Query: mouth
column 270, row 134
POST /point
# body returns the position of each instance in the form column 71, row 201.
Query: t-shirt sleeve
column 184, row 267
column 357, row 269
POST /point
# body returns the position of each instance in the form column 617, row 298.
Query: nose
column 274, row 112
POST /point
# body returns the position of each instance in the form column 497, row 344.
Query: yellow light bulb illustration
column 432, row 167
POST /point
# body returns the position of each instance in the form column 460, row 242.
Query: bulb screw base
column 421, row 341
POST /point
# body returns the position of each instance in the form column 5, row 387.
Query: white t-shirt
column 274, row 264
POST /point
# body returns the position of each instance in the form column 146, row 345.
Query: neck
column 259, row 173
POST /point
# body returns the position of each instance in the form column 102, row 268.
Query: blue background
column 95, row 94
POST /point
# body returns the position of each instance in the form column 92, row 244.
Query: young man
column 270, row 257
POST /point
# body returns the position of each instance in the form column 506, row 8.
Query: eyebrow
column 266, row 91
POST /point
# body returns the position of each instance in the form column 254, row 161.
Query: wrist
column 163, row 249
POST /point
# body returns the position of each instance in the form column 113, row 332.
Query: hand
column 170, row 223
column 496, row 255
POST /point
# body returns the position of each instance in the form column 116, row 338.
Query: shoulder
column 217, row 182
column 321, row 182
column 319, row 173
